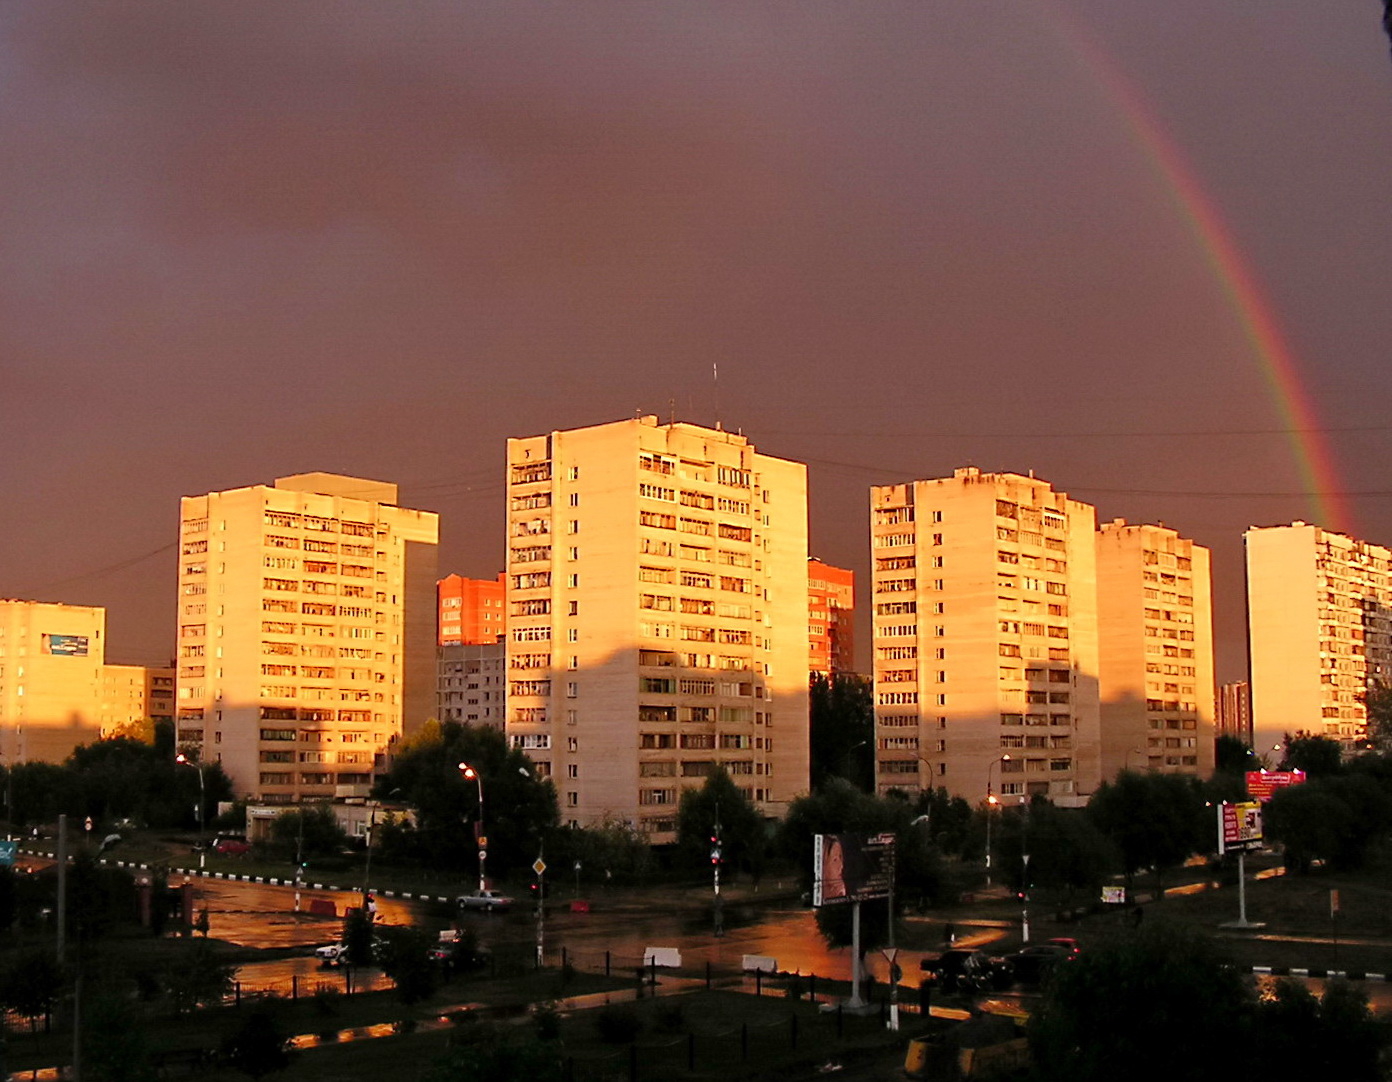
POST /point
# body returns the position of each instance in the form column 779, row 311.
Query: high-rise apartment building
column 657, row 617
column 1318, row 628
column 51, row 672
column 135, row 694
column 1155, row 623
column 1235, row 711
column 306, row 631
column 472, row 686
column 471, row 610
column 831, row 617
column 985, row 638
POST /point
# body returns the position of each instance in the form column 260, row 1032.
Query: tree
column 31, row 982
column 1335, row 819
column 197, row 977
column 258, row 1046
column 743, row 836
column 841, row 713
column 1067, row 852
column 358, row 936
column 519, row 810
column 498, row 1053
column 1233, row 755
column 406, row 960
column 312, row 831
column 1318, row 756
column 1166, row 999
column 114, row 1048
column 1155, row 821
column 1334, row 1036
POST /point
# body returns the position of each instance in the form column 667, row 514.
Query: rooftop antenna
column 715, row 384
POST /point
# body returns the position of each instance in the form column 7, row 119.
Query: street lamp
column 184, row 760
column 991, row 803
column 470, row 772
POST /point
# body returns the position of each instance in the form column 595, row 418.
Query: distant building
column 133, row 694
column 306, row 632
column 1235, row 712
column 657, row 618
column 473, row 684
column 1319, row 614
column 985, row 638
column 471, row 610
column 51, row 679
column 831, row 617
column 1155, row 627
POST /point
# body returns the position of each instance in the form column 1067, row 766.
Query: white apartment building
column 985, row 638
column 1155, row 620
column 657, row 617
column 51, row 679
column 1318, row 628
column 306, row 632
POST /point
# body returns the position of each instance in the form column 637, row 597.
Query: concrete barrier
column 759, row 963
column 663, row 957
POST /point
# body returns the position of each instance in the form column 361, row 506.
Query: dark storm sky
column 242, row 240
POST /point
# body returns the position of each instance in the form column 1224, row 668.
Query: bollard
column 653, row 968
column 707, row 975
column 563, row 959
column 812, row 988
column 236, row 993
column 793, row 1020
column 744, row 1041
column 691, row 1051
column 294, row 987
column 838, row 1021
column 758, row 982
column 606, row 963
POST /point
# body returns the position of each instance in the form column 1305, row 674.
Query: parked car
column 968, row 971
column 337, row 953
column 489, row 901
column 231, row 846
column 1033, row 964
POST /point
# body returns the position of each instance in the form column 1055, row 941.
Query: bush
column 547, row 1020
column 669, row 1014
column 618, row 1023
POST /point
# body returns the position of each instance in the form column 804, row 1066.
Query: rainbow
column 1313, row 456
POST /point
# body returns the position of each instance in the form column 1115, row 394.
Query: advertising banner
column 1261, row 784
column 1239, row 826
column 851, row 867
column 64, row 645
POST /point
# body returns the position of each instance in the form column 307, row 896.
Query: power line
column 120, row 565
column 927, row 435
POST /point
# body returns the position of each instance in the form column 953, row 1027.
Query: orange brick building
column 471, row 611
column 830, row 617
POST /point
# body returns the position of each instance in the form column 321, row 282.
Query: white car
column 331, row 955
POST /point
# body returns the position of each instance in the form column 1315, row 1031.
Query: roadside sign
column 483, row 855
column 539, row 865
column 1239, row 827
column 7, row 852
column 1262, row 784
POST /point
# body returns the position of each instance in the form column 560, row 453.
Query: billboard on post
column 851, row 867
column 1262, row 784
column 1239, row 827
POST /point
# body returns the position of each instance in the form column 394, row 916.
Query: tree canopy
column 1154, row 820
column 1317, row 755
column 743, row 835
column 841, row 715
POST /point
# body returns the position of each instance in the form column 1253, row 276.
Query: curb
column 1347, row 974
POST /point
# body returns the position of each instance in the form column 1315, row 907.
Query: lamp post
column 991, row 803
column 482, row 838
column 202, row 803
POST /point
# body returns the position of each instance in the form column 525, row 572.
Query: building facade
column 135, row 694
column 1235, row 712
column 473, row 684
column 470, row 610
column 985, row 638
column 306, row 632
column 1155, row 623
column 831, row 617
column 657, row 617
column 1318, row 607
column 51, row 679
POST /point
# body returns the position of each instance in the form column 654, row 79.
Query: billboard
column 1239, row 826
column 64, row 645
column 851, row 867
column 1262, row 784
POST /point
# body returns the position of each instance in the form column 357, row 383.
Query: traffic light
column 715, row 849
